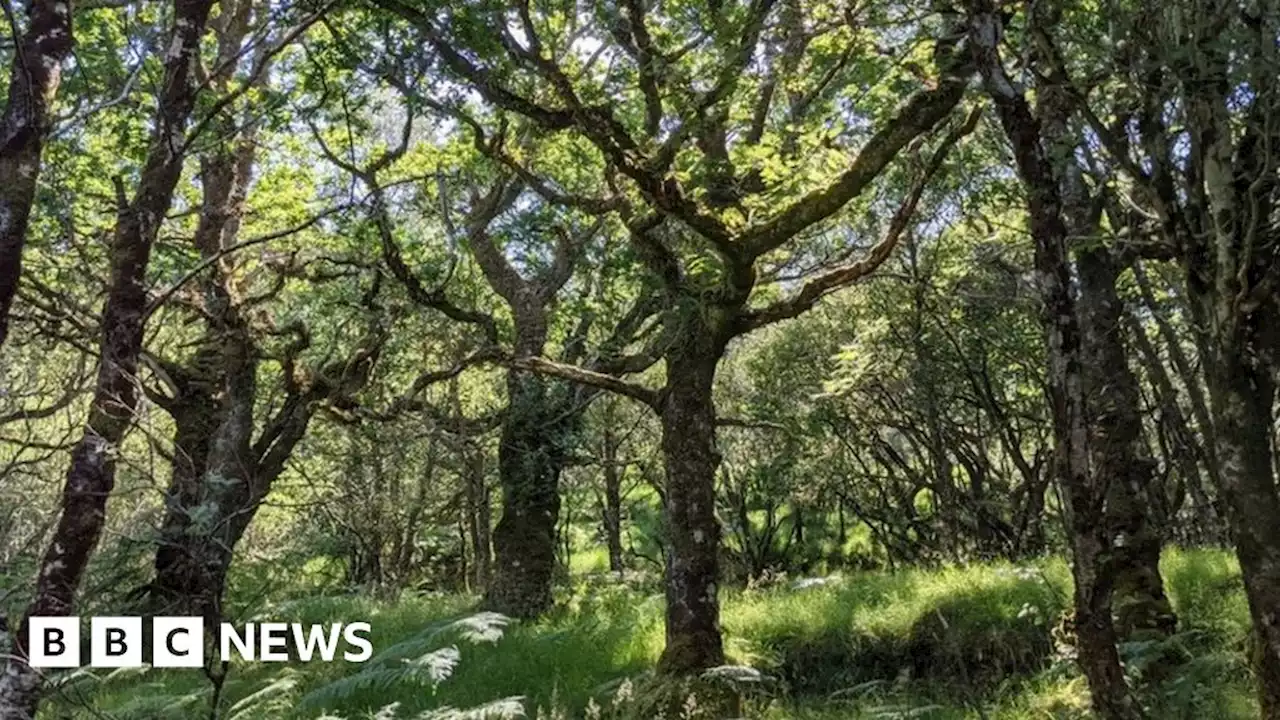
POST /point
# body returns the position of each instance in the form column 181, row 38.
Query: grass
column 961, row 642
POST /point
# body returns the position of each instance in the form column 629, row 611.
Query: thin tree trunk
column 33, row 82
column 612, row 502
column 1191, row 380
column 479, row 516
column 1089, row 537
column 91, row 476
column 1187, row 450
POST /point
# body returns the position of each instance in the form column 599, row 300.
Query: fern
column 156, row 706
column 274, row 700
column 504, row 709
column 485, row 627
column 429, row 670
column 418, row 661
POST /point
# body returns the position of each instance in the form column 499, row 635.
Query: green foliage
column 966, row 626
column 960, row 642
column 419, row 662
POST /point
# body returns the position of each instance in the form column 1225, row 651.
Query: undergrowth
column 965, row 642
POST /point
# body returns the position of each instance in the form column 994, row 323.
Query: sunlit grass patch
column 972, row 641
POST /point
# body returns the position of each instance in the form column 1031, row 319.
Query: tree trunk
column 479, row 516
column 1241, row 395
column 612, row 502
column 200, row 528
column 1118, row 454
column 91, row 475
column 688, row 417
column 531, row 457
column 195, row 417
column 1087, row 529
column 33, row 82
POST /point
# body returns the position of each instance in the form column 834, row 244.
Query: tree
column 1086, row 492
column 692, row 215
column 33, row 82
column 91, row 474
column 531, row 248
column 227, row 454
column 1201, row 75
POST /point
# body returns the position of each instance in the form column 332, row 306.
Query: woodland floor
column 981, row 641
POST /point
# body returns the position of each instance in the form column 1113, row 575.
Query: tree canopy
column 393, row 296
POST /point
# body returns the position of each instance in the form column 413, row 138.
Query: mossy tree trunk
column 1118, row 454
column 536, row 432
column 33, row 82
column 91, row 475
column 1087, row 529
column 1242, row 391
column 687, row 414
column 611, row 506
column 479, row 519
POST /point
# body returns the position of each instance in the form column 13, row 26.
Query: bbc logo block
column 116, row 642
column 177, row 642
column 54, row 642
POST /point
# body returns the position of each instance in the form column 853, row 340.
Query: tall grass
column 974, row 641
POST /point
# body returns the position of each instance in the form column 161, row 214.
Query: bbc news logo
column 54, row 642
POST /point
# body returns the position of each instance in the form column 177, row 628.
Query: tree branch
column 584, row 376
column 848, row 273
column 920, row 114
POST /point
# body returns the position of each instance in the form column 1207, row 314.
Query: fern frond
column 270, row 701
column 418, row 661
column 504, row 709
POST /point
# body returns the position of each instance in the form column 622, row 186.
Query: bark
column 1241, row 394
column 539, row 423
column 687, row 415
column 1089, row 536
column 194, row 410
column 1122, row 469
column 33, row 83
column 479, row 517
column 542, row 416
column 204, row 520
column 1230, row 275
column 612, row 510
column 1118, row 454
column 91, row 475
